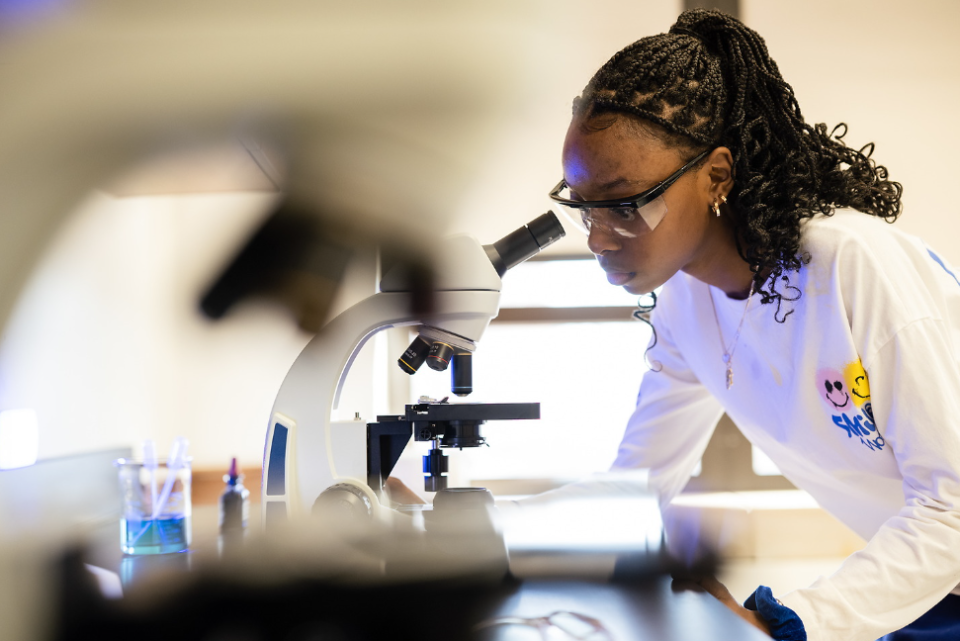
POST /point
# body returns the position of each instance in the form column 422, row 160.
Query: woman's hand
column 720, row 592
column 398, row 492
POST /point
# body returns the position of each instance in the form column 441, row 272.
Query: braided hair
column 710, row 82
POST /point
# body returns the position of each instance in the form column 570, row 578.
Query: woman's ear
column 720, row 170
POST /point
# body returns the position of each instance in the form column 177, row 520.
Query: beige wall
column 107, row 345
column 891, row 71
column 568, row 40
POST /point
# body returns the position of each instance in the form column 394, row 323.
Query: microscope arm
column 304, row 455
column 299, row 460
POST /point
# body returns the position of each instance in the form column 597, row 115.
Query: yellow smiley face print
column 857, row 382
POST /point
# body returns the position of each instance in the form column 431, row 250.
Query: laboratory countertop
column 641, row 611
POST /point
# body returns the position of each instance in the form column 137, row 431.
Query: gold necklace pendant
column 728, row 354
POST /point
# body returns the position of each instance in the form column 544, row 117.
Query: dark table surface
column 636, row 610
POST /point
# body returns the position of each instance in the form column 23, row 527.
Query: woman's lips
column 619, row 278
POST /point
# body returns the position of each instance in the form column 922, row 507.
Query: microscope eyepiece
column 546, row 229
column 521, row 244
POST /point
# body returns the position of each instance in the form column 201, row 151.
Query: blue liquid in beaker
column 155, row 536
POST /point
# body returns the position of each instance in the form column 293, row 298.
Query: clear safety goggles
column 628, row 217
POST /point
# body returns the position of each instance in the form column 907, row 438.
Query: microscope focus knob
column 343, row 501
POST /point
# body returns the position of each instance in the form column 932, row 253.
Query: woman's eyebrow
column 619, row 182
column 616, row 183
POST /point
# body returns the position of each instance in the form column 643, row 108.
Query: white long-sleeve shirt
column 855, row 396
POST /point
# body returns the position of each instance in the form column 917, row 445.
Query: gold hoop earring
column 716, row 208
column 723, row 199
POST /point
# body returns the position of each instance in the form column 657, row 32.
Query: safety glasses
column 628, row 217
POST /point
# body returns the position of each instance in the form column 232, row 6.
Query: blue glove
column 784, row 623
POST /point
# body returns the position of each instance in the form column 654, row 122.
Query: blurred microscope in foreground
column 365, row 124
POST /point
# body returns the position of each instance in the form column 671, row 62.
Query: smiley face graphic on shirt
column 857, row 382
column 833, row 388
column 846, row 392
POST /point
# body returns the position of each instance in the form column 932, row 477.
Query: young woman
column 788, row 302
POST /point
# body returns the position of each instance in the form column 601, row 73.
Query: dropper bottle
column 234, row 502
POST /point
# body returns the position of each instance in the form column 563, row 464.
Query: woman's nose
column 602, row 240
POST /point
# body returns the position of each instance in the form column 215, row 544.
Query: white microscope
column 310, row 461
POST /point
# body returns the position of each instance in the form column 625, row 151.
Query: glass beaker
column 156, row 511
